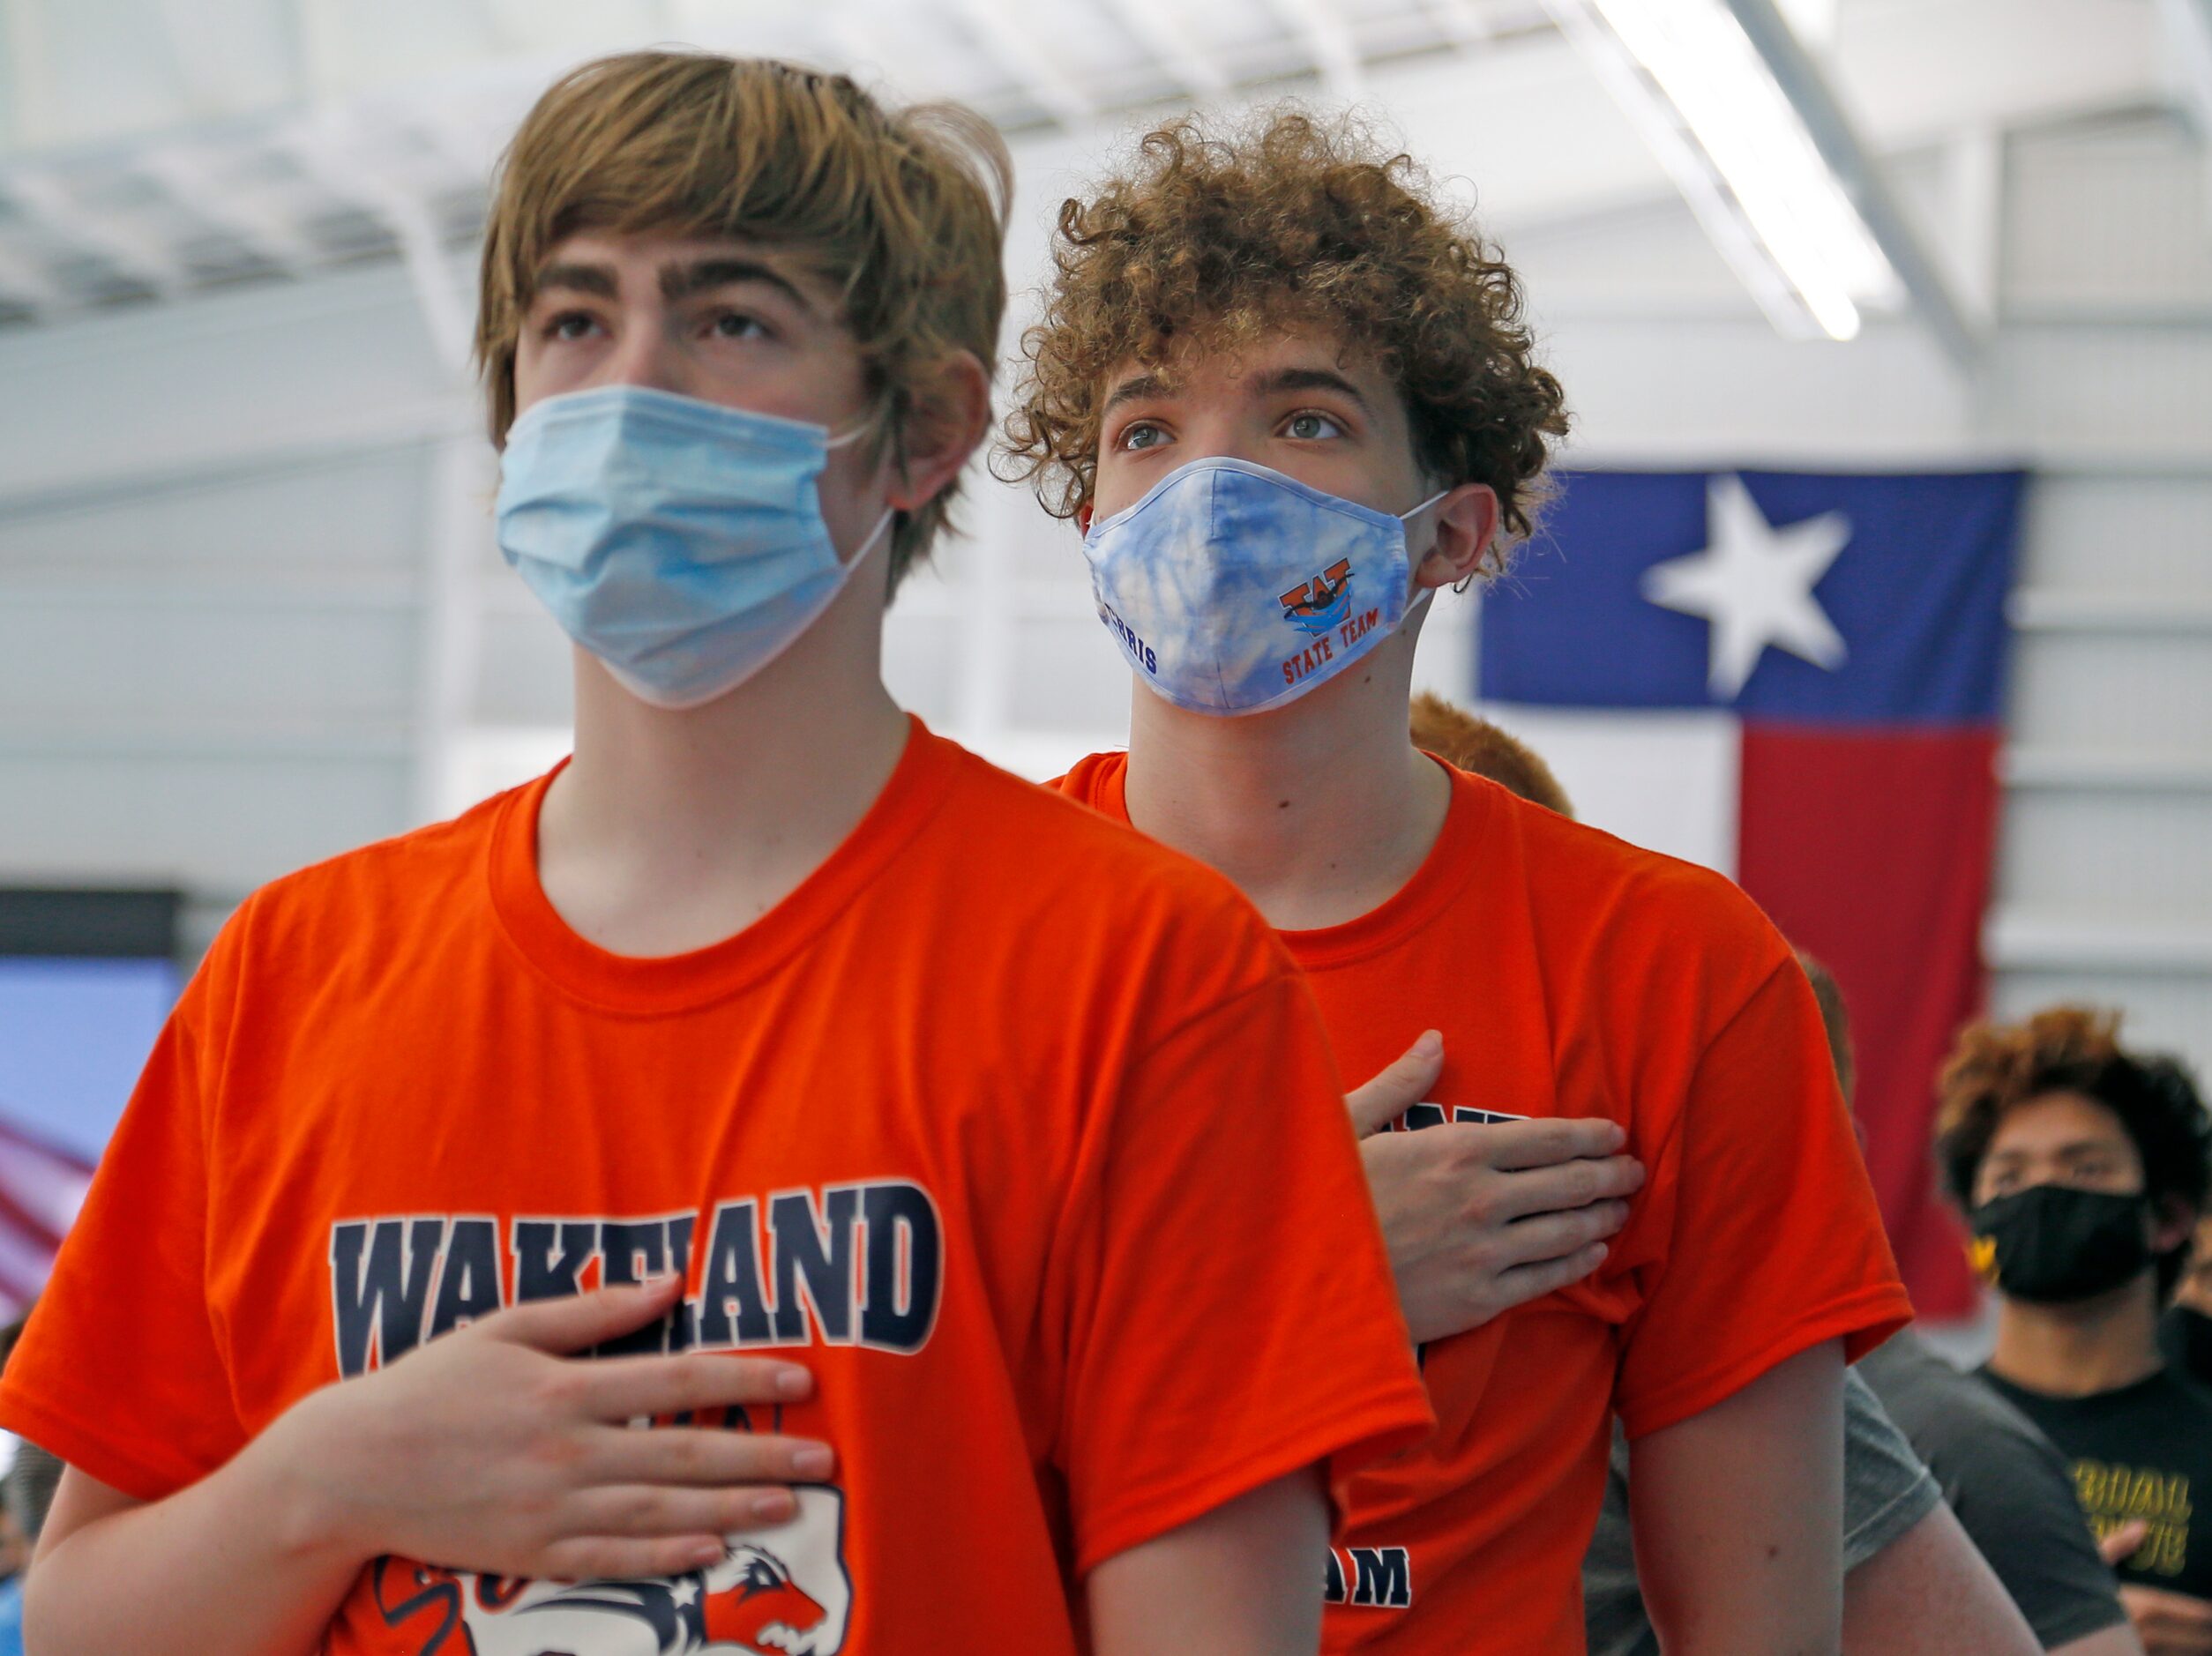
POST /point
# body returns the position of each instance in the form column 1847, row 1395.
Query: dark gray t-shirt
column 2009, row 1486
column 1886, row 1492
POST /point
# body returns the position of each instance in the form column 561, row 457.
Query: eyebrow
column 677, row 281
column 596, row 279
column 1284, row 380
column 683, row 282
column 1308, row 379
column 2068, row 1151
column 1131, row 389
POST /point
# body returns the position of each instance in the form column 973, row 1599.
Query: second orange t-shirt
column 1572, row 975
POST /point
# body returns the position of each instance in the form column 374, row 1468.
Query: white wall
column 249, row 614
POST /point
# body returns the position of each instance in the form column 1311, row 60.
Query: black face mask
column 2052, row 1244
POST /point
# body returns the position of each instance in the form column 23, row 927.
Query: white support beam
column 198, row 187
column 452, row 620
column 331, row 152
column 136, row 252
column 1462, row 22
column 1861, row 175
column 2187, row 26
column 1161, row 26
column 2022, row 941
column 25, row 286
column 1007, row 33
column 1973, row 231
column 1327, row 34
column 31, row 83
column 213, row 48
column 2059, row 770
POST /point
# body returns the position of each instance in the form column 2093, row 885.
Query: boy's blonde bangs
column 903, row 215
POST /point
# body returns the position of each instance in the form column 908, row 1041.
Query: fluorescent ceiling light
column 1814, row 20
column 1690, row 78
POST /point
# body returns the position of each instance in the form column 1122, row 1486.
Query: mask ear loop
column 868, row 544
column 845, row 439
column 1426, row 594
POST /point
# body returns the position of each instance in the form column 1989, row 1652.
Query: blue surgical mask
column 1232, row 588
column 680, row 541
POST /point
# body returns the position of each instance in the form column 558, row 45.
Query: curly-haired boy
column 1286, row 391
column 770, row 1023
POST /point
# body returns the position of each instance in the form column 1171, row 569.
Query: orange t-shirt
column 1015, row 1128
column 1572, row 975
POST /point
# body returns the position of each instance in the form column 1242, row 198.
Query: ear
column 951, row 411
column 2172, row 1226
column 1466, row 524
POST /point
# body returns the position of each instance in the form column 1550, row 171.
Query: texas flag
column 1795, row 678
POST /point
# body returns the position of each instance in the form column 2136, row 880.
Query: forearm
column 1929, row 1594
column 1243, row 1580
column 1739, row 1518
column 241, row 1562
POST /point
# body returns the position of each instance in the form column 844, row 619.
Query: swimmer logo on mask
column 1318, row 606
column 1232, row 588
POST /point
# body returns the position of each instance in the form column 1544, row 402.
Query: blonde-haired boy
column 769, row 1023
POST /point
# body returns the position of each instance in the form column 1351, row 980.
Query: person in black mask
column 2081, row 1169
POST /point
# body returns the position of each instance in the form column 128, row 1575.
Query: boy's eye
column 1142, row 434
column 570, row 325
column 735, row 325
column 1311, row 428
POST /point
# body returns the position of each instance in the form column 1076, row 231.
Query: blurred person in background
column 1915, row 1581
column 1286, row 389
column 21, row 1516
column 2082, row 1170
column 2184, row 1331
column 2002, row 1480
column 1474, row 744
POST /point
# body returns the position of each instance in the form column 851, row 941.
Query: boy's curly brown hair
column 1995, row 1068
column 1226, row 236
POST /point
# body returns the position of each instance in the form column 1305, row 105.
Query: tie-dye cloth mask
column 1232, row 588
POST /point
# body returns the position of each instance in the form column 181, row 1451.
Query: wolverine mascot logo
column 778, row 1592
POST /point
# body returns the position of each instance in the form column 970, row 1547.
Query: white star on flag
column 1753, row 584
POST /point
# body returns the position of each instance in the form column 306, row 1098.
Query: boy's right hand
column 498, row 1450
column 1481, row 1218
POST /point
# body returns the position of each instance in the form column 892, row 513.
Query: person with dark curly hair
column 2081, row 1169
column 1286, row 389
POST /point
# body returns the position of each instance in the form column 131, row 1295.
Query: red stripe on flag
column 29, row 1226
column 13, row 1135
column 1874, row 851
